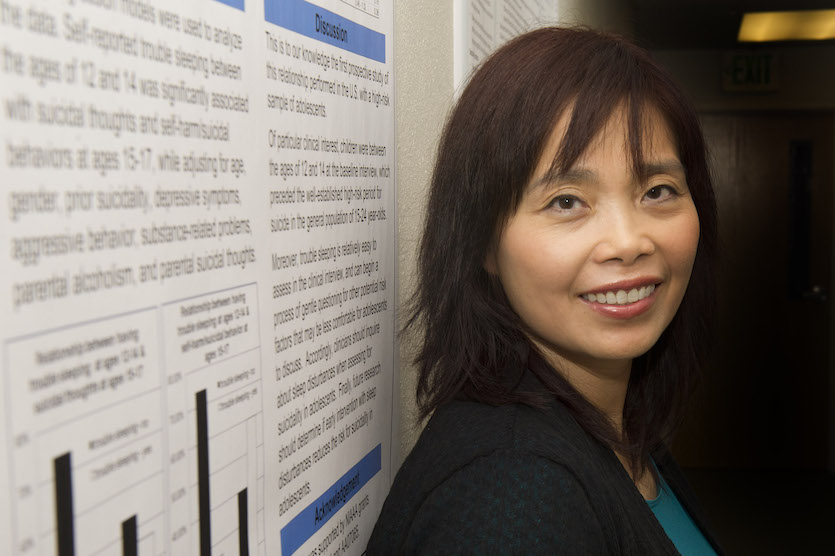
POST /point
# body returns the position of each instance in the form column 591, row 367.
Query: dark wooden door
column 764, row 405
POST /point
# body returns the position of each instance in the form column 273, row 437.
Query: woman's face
column 596, row 260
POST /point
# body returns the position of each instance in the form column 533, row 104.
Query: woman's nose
column 624, row 236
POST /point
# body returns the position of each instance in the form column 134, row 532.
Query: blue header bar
column 313, row 517
column 237, row 4
column 320, row 24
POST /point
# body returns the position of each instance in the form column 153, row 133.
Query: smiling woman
column 563, row 307
column 600, row 230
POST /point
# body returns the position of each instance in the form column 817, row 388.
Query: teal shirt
column 678, row 525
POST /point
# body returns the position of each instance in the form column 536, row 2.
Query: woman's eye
column 565, row 202
column 660, row 192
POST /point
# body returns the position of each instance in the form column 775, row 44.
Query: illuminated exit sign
column 749, row 71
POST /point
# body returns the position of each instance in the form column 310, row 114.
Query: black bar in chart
column 243, row 526
column 130, row 540
column 203, row 474
column 63, row 505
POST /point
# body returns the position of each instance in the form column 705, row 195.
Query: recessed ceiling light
column 806, row 25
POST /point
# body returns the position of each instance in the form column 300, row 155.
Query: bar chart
column 231, row 467
column 215, row 424
column 131, row 456
column 88, row 439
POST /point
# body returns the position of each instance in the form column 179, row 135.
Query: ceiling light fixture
column 806, row 25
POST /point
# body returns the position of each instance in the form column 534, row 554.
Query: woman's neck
column 602, row 382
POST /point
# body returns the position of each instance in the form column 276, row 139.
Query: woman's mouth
column 620, row 297
column 624, row 302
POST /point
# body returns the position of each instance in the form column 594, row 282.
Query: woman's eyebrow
column 664, row 167
column 572, row 175
column 582, row 175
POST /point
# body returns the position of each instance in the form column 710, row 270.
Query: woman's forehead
column 650, row 142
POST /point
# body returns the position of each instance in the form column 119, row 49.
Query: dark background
column 759, row 446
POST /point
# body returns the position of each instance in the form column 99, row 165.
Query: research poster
column 197, row 294
column 481, row 26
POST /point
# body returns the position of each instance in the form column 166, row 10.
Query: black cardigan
column 518, row 480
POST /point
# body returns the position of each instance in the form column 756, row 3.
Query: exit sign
column 749, row 71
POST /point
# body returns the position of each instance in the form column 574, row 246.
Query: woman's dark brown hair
column 473, row 344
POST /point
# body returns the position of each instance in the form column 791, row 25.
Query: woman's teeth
column 620, row 297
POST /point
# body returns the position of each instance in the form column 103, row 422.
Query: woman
column 563, row 302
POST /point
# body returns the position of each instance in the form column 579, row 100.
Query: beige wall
column 423, row 97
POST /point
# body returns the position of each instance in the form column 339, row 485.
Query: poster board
column 199, row 261
column 481, row 26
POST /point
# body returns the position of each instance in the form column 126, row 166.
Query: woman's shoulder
column 489, row 474
column 467, row 429
column 462, row 433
